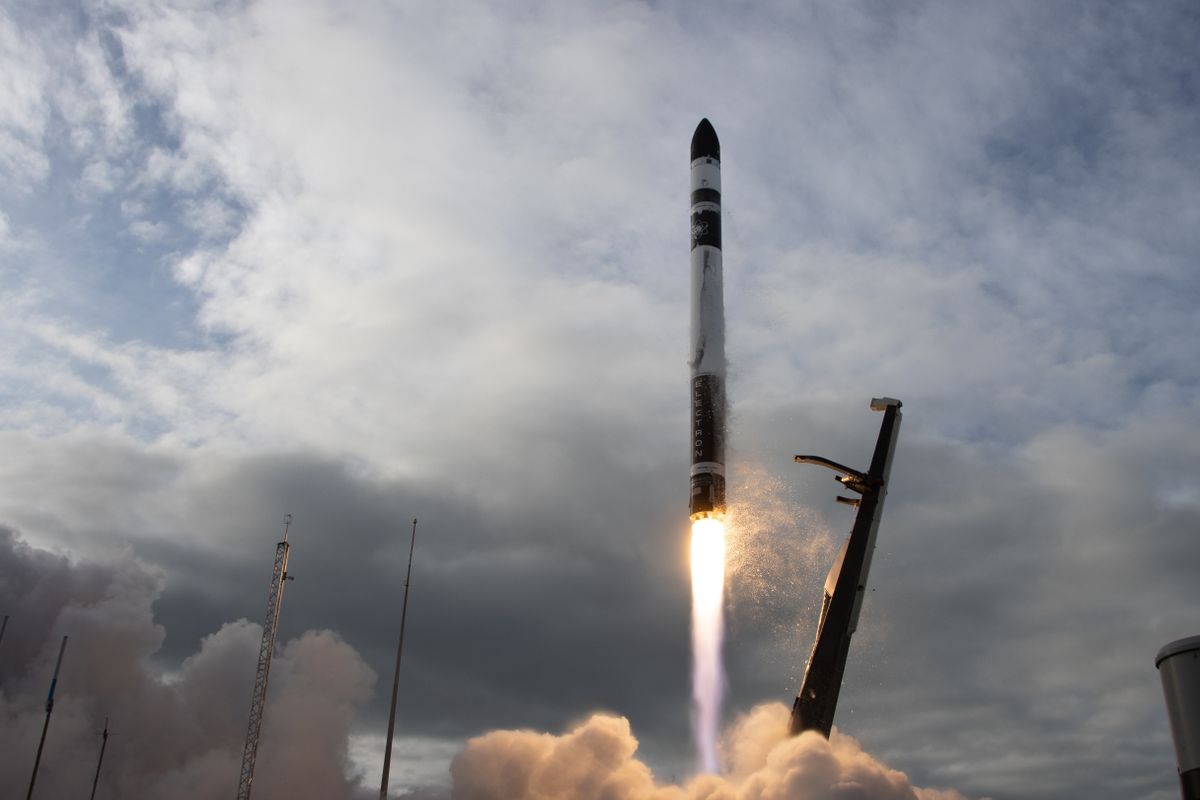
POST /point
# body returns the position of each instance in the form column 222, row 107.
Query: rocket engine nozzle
column 708, row 496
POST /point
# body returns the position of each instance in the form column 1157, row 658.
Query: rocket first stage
column 707, row 358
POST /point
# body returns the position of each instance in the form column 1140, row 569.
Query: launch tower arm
column 844, row 588
column 850, row 478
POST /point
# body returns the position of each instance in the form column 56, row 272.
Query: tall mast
column 387, row 753
column 100, row 761
column 266, row 651
column 37, row 760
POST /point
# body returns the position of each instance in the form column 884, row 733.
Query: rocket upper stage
column 707, row 358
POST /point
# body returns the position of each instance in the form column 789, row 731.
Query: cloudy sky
column 373, row 261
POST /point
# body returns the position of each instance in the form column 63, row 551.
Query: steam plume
column 596, row 761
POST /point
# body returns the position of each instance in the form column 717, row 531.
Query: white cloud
column 24, row 113
column 146, row 231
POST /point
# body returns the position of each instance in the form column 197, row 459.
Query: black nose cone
column 704, row 142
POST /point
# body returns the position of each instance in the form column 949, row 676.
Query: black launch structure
column 847, row 581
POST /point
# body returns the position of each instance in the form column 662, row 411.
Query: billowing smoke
column 597, row 761
column 177, row 734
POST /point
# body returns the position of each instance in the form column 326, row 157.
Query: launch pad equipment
column 266, row 651
column 1179, row 667
column 846, row 583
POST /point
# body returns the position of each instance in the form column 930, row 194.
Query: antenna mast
column 387, row 754
column 100, row 762
column 265, row 652
column 46, row 726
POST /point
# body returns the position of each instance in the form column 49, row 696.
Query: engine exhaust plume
column 708, row 629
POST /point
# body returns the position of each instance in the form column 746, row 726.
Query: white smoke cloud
column 174, row 735
column 596, row 760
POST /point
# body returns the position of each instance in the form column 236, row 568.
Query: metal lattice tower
column 266, row 650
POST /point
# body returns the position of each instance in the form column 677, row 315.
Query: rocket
column 846, row 583
column 707, row 358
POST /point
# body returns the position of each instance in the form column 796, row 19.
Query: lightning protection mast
column 387, row 750
column 266, row 650
column 100, row 761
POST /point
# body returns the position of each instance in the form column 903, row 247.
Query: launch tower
column 266, row 651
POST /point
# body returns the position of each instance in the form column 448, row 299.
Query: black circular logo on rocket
column 706, row 228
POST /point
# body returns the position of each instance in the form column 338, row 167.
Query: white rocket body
column 707, row 358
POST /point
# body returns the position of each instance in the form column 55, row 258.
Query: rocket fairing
column 707, row 358
column 846, row 583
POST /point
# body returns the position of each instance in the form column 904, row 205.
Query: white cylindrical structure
column 1179, row 667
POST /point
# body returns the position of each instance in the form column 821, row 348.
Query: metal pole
column 103, row 744
column 46, row 726
column 387, row 752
